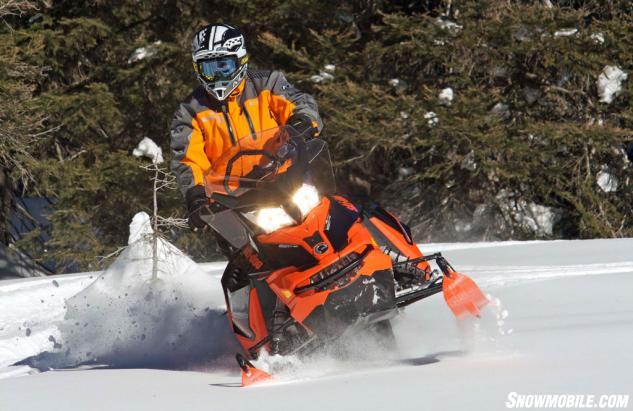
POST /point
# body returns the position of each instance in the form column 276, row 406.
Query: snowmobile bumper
column 461, row 293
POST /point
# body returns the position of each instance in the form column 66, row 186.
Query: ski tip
column 254, row 376
column 463, row 296
column 250, row 374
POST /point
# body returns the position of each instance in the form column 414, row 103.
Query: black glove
column 302, row 126
column 199, row 207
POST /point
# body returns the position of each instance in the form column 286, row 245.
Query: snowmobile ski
column 461, row 293
column 250, row 374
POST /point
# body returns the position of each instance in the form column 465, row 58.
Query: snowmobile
column 308, row 265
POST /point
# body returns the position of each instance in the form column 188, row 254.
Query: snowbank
column 125, row 318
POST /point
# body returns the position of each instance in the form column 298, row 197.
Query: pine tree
column 24, row 126
column 526, row 130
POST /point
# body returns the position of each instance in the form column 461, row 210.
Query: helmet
column 219, row 59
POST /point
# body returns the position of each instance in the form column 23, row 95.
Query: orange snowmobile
column 307, row 266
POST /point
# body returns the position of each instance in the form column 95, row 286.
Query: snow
column 610, row 83
column 448, row 25
column 432, row 119
column 324, row 75
column 533, row 217
column 321, row 77
column 142, row 53
column 126, row 310
column 597, row 38
column 140, row 226
column 446, row 96
column 538, row 218
column 606, row 180
column 559, row 322
column 148, row 148
column 38, row 305
column 566, row 32
column 118, row 314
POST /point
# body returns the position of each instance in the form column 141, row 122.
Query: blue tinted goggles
column 218, row 69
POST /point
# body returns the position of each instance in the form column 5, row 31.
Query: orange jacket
column 203, row 128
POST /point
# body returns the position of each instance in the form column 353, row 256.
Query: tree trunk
column 5, row 206
column 155, row 227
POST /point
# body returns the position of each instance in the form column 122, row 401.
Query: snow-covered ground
column 560, row 321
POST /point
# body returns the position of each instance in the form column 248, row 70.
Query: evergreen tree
column 526, row 133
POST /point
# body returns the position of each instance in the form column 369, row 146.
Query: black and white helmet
column 219, row 59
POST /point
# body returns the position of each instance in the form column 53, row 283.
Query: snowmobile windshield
column 271, row 161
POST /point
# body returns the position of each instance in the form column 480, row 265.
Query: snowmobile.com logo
column 575, row 401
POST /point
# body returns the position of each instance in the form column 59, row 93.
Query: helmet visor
column 221, row 68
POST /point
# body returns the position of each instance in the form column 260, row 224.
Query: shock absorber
column 280, row 315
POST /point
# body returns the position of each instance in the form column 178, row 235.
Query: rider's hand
column 302, row 126
column 198, row 206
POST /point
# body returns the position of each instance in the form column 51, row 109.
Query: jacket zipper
column 250, row 122
column 228, row 125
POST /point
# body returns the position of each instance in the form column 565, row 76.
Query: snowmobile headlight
column 306, row 198
column 270, row 219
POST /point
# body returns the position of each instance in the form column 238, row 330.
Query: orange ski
column 462, row 295
column 250, row 374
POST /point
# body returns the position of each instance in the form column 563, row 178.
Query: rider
column 231, row 102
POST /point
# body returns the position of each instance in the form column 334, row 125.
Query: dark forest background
column 518, row 152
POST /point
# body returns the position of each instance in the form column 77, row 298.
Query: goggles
column 221, row 68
